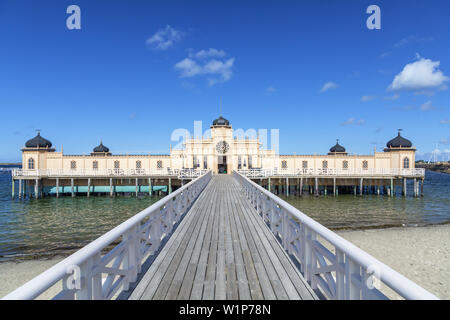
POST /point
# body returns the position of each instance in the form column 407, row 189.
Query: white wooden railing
column 331, row 264
column 44, row 173
column 118, row 254
column 374, row 172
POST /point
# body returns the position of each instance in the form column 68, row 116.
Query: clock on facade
column 222, row 147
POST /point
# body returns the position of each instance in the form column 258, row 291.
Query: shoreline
column 422, row 254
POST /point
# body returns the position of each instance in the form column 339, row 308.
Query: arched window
column 365, row 165
column 31, row 164
column 73, row 165
column 116, row 164
column 95, row 165
column 406, row 163
column 324, row 164
column 138, row 164
column 345, row 164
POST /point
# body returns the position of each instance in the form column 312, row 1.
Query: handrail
column 323, row 172
column 38, row 173
column 353, row 268
column 140, row 236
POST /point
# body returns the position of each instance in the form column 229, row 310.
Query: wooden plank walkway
column 222, row 250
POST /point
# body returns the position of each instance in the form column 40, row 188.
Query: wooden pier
column 220, row 237
column 223, row 250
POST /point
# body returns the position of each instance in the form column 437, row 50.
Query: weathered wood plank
column 222, row 250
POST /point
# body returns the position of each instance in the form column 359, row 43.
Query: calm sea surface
column 46, row 227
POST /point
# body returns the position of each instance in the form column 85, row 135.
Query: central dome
column 221, row 121
column 101, row 148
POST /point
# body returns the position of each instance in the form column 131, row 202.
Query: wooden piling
column 36, row 188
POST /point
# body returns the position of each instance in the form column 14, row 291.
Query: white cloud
column 211, row 52
column 163, row 39
column 217, row 70
column 446, row 121
column 271, row 89
column 444, row 141
column 411, row 39
column 329, row 85
column 394, row 97
column 367, row 98
column 426, row 106
column 353, row 121
column 420, row 75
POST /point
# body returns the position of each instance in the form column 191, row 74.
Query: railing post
column 131, row 258
column 97, row 279
column 85, row 292
column 352, row 291
column 340, row 275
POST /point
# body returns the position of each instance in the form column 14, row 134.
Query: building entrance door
column 222, row 165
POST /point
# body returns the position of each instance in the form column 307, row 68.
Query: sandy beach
column 421, row 254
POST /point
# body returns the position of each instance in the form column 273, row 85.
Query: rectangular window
column 159, row 164
column 205, row 162
column 73, row 165
column 284, row 164
column 138, row 164
column 95, row 165
column 305, row 164
column 239, row 162
column 250, row 164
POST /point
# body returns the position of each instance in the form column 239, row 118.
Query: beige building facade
column 221, row 153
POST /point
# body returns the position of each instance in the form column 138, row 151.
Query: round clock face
column 222, row 147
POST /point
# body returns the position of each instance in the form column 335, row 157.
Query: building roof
column 399, row 142
column 38, row 142
column 101, row 148
column 221, row 121
column 337, row 147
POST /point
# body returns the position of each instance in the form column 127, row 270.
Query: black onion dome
column 399, row 142
column 101, row 148
column 221, row 121
column 337, row 147
column 38, row 142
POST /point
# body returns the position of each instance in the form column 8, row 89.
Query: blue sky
column 137, row 70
